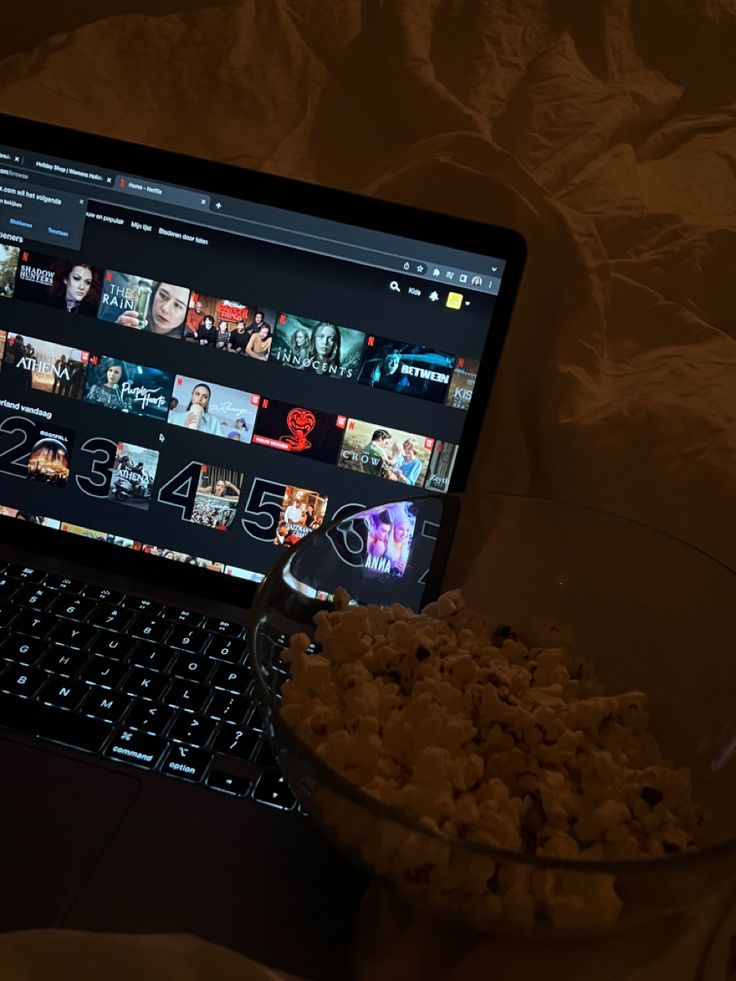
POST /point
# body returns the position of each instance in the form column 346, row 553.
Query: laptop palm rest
column 56, row 818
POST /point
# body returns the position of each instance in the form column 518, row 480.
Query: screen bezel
column 293, row 195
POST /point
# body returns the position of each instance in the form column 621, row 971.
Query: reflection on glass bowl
column 652, row 613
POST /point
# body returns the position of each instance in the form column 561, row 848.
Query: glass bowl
column 651, row 612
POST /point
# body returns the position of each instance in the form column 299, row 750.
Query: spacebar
column 57, row 725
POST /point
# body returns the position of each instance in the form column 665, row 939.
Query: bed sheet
column 604, row 131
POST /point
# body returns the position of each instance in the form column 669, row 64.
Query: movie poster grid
column 214, row 409
column 295, row 429
column 389, row 536
column 72, row 285
column 384, row 452
column 317, row 346
column 302, row 511
column 128, row 387
column 9, row 256
column 133, row 474
column 237, row 327
column 216, row 499
column 144, row 304
column 406, row 369
column 44, row 366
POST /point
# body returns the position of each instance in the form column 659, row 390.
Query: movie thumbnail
column 213, row 409
column 50, row 456
column 128, row 387
column 44, row 366
column 72, row 285
column 302, row 511
column 440, row 467
column 9, row 256
column 314, row 345
column 462, row 384
column 144, row 304
column 386, row 452
column 389, row 535
column 294, row 429
column 261, row 334
column 406, row 368
column 100, row 536
column 211, row 321
column 216, row 500
column 33, row 519
column 133, row 474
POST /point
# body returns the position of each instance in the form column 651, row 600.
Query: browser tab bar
column 155, row 191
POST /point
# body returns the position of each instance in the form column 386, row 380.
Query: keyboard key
column 111, row 617
column 228, row 783
column 8, row 586
column 151, row 656
column 193, row 668
column 63, row 693
column 218, row 626
column 73, row 607
column 136, row 748
column 185, row 694
column 231, row 678
column 36, row 597
column 148, row 628
column 21, row 681
column 188, row 638
column 149, row 717
column 22, row 650
column 102, row 594
column 103, row 671
column 140, row 604
column 264, row 756
column 64, row 584
column 63, row 660
column 229, row 708
column 57, row 725
column 225, row 648
column 186, row 763
column 236, row 741
column 108, row 644
column 25, row 573
column 188, row 617
column 147, row 684
column 273, row 789
column 193, row 729
column 7, row 612
column 72, row 634
column 34, row 624
column 107, row 705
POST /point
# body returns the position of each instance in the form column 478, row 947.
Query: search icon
column 393, row 285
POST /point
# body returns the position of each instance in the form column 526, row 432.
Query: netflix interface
column 329, row 393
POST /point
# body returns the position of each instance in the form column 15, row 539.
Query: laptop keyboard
column 136, row 681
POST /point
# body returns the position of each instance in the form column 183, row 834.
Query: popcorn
column 500, row 737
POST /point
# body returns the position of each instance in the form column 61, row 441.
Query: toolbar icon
column 394, row 286
column 407, row 266
column 434, row 296
column 476, row 281
column 454, row 300
column 462, row 278
column 435, row 271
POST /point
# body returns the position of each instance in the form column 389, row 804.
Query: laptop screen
column 208, row 379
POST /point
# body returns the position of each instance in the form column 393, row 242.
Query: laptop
column 200, row 366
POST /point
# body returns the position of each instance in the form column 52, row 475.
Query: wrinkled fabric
column 604, row 131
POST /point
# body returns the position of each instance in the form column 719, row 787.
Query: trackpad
column 56, row 817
